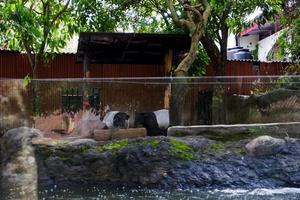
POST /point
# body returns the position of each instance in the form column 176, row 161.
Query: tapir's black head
column 148, row 120
column 121, row 120
column 139, row 120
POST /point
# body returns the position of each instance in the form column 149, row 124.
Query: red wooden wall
column 237, row 84
column 16, row 65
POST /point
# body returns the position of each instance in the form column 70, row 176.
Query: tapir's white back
column 109, row 119
column 162, row 117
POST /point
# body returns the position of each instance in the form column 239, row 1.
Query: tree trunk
column 185, row 64
column 220, row 90
column 195, row 22
column 223, row 44
column 179, row 90
column 214, row 55
column 180, row 86
column 218, row 59
column 34, row 73
column 36, row 101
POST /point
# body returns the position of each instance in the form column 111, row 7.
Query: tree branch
column 179, row 22
column 188, row 7
column 47, row 26
column 60, row 13
column 37, row 12
column 161, row 11
column 31, row 6
column 185, row 64
column 214, row 54
column 206, row 12
column 165, row 18
column 29, row 54
column 188, row 14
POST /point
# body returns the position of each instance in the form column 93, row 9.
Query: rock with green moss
column 168, row 162
column 143, row 161
column 165, row 162
column 181, row 150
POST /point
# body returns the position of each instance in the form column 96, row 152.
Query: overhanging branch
column 179, row 22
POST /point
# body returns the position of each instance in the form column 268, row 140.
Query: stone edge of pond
column 284, row 129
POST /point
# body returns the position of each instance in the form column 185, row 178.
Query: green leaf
column 26, row 80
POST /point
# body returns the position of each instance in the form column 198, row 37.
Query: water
column 147, row 194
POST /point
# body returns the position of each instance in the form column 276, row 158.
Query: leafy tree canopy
column 42, row 27
column 290, row 39
column 226, row 16
column 36, row 26
column 39, row 26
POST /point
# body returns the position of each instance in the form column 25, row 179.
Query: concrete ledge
column 117, row 134
column 287, row 129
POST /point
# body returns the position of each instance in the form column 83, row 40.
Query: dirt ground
column 54, row 126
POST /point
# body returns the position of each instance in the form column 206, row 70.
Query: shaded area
column 131, row 47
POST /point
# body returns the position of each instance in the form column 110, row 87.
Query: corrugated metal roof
column 252, row 60
column 4, row 48
column 70, row 48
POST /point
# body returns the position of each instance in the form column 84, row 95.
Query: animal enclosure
column 204, row 102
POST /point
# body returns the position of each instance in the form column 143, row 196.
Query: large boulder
column 18, row 164
column 265, row 145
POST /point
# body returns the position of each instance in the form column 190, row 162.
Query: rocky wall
column 152, row 162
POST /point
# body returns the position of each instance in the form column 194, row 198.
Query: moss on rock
column 182, row 151
column 114, row 146
column 44, row 152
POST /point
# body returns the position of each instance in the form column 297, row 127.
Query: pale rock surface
column 265, row 145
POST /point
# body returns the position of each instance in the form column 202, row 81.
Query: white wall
column 231, row 40
column 249, row 42
column 265, row 45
